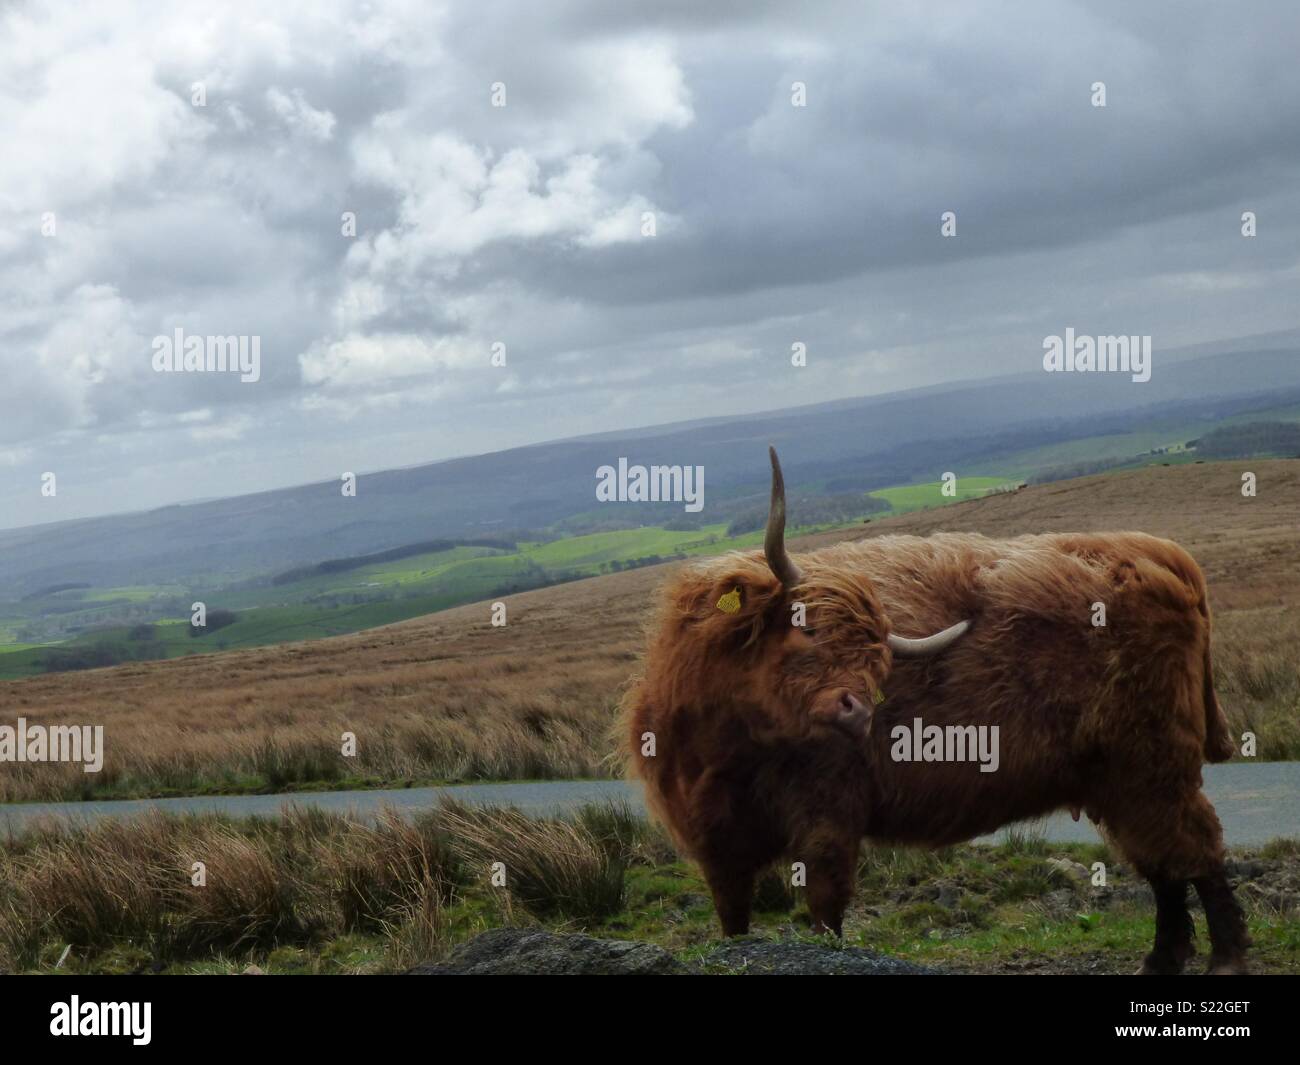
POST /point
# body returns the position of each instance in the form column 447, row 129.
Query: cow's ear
column 744, row 593
column 739, row 592
column 738, row 603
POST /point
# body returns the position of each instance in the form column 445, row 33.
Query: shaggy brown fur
column 737, row 724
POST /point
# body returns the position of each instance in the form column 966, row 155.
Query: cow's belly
column 944, row 802
column 948, row 768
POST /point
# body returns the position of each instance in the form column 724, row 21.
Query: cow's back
column 1081, row 645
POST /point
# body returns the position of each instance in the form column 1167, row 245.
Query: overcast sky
column 523, row 224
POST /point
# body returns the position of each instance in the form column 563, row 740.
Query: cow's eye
column 809, row 632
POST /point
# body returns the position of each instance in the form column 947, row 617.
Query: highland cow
column 758, row 737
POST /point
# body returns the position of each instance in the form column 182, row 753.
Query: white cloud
column 456, row 199
column 88, row 344
column 296, row 113
column 228, row 429
column 82, row 114
column 360, row 359
column 523, row 223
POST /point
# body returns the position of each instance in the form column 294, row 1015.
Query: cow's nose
column 851, row 704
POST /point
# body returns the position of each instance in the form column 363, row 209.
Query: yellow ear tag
column 730, row 603
column 880, row 697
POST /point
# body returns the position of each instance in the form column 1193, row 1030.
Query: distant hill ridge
column 877, row 441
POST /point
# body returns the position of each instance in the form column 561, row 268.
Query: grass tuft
column 549, row 865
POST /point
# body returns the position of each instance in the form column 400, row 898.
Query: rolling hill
column 307, row 562
column 1019, row 425
column 450, row 697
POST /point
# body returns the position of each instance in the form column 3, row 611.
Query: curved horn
column 928, row 645
column 774, row 542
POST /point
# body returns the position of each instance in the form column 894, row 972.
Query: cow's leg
column 1174, row 929
column 830, row 857
column 1175, row 835
column 1228, row 936
column 732, row 842
column 732, row 885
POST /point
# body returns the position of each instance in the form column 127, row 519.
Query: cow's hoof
column 1228, row 968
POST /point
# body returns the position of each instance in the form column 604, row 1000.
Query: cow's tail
column 1218, row 736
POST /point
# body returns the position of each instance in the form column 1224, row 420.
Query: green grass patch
column 910, row 497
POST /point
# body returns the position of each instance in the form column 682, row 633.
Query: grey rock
column 946, row 895
column 760, row 957
column 534, row 952
column 531, row 952
column 1071, row 869
column 1059, row 904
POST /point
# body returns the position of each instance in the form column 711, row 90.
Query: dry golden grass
column 449, row 697
column 550, row 867
column 132, row 880
column 305, row 878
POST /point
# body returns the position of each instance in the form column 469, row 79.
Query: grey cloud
column 818, row 224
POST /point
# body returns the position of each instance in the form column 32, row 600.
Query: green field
column 1138, row 446
column 1113, row 446
column 919, row 496
column 337, row 603
column 333, row 604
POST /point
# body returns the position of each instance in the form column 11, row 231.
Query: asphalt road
column 1256, row 802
